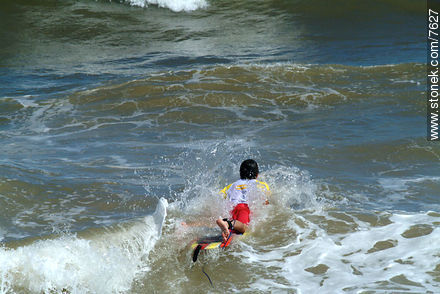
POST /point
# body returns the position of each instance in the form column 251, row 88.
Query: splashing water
column 107, row 263
column 174, row 5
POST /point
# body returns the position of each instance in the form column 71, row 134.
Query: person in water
column 238, row 194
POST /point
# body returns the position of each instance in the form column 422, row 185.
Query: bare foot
column 224, row 227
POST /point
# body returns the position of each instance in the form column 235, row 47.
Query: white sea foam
column 104, row 264
column 174, row 5
column 379, row 258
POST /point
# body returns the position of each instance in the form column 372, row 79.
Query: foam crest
column 108, row 264
column 174, row 5
column 399, row 255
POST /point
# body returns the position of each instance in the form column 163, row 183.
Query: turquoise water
column 121, row 120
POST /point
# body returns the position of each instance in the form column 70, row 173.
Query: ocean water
column 121, row 120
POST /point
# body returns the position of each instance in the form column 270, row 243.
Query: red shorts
column 241, row 213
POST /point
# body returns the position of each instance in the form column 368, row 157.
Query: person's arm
column 224, row 191
column 265, row 188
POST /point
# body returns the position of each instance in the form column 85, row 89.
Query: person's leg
column 239, row 226
column 224, row 227
column 240, row 219
column 241, row 216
